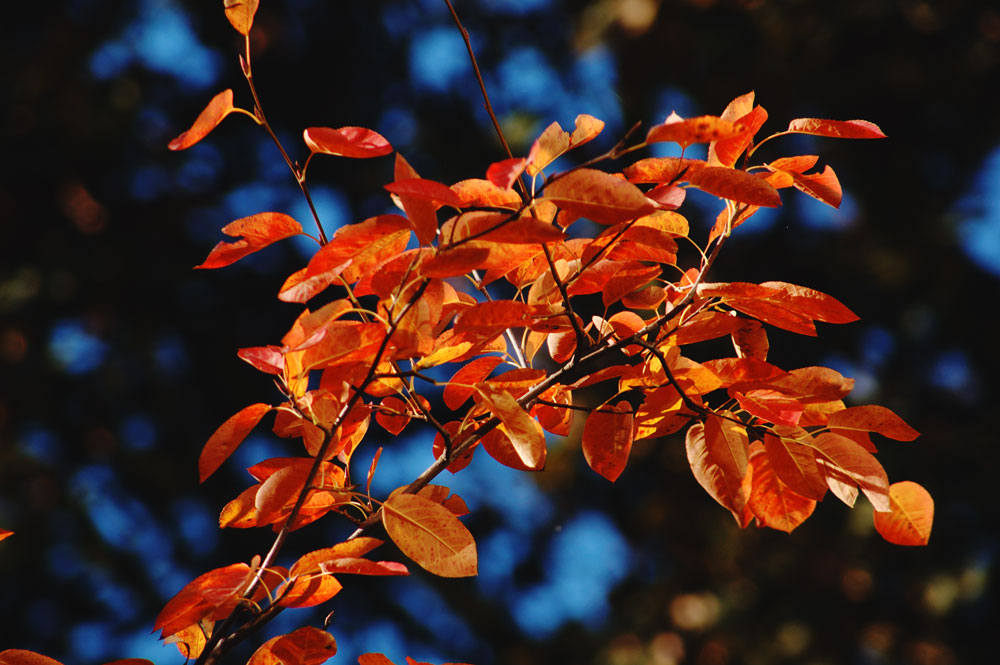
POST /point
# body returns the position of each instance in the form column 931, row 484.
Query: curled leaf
column 217, row 109
column 255, row 233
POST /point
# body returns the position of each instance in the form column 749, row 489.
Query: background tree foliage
column 118, row 360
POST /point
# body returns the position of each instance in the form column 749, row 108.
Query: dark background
column 117, row 360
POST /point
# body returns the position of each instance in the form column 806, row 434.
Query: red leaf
column 4, row 533
column 427, row 190
column 305, row 646
column 373, row 659
column 265, row 358
column 772, row 502
column 910, row 516
column 735, row 185
column 598, row 196
column 703, row 129
column 216, row 591
column 822, row 186
column 524, row 432
column 715, row 475
column 478, row 192
column 255, row 233
column 217, row 109
column 872, row 418
column 420, row 213
column 25, row 657
column 607, row 439
column 795, row 464
column 240, row 14
column 462, row 385
column 725, row 152
column 504, row 174
column 841, row 129
column 430, row 535
column 392, row 414
column 356, row 142
column 847, row 465
column 494, row 316
column 770, row 405
column 228, row 437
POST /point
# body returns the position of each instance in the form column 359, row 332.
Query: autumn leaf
column 305, row 646
column 4, row 533
column 420, row 212
column 228, row 437
column 872, row 418
column 462, row 385
column 25, row 657
column 910, row 516
column 702, row 129
column 848, row 467
column 716, row 469
column 428, row 190
column 598, row 196
column 607, row 438
column 240, row 14
column 841, row 129
column 373, row 659
column 772, row 502
column 357, row 142
column 255, row 232
column 795, row 464
column 430, row 535
column 212, row 595
column 504, row 174
column 217, row 109
column 525, row 433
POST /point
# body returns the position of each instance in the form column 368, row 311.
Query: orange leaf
column 228, row 437
column 430, row 535
column 504, row 174
column 25, row 657
column 795, row 465
column 255, row 232
column 662, row 169
column 479, row 192
column 727, row 443
column 4, row 533
column 770, row 405
column 735, row 185
column 740, row 111
column 240, row 14
column 356, row 142
column 217, row 109
column 216, row 591
column 420, row 213
column 462, row 384
column 910, row 516
column 494, row 316
column 131, row 661
column 714, row 472
column 847, row 465
column 265, row 358
column 525, row 433
column 393, row 414
column 702, row 129
column 373, row 659
column 750, row 340
column 240, row 513
column 427, row 190
column 872, row 418
column 554, row 141
column 607, row 438
column 841, row 129
column 598, row 196
column 305, row 646
column 772, row 502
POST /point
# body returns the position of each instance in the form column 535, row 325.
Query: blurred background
column 118, row 361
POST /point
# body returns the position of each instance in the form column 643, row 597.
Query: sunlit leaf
column 228, row 437
column 872, row 418
column 841, row 129
column 910, row 516
column 357, row 142
column 735, row 185
column 240, row 14
column 504, row 174
column 598, row 196
column 462, row 385
column 420, row 212
column 305, row 646
column 795, row 464
column 772, row 502
column 4, row 533
column 255, row 232
column 211, row 595
column 427, row 190
column 25, row 657
column 844, row 462
column 714, row 473
column 702, row 129
column 524, row 432
column 217, row 109
column 430, row 535
column 392, row 414
column 607, row 438
column 373, row 659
